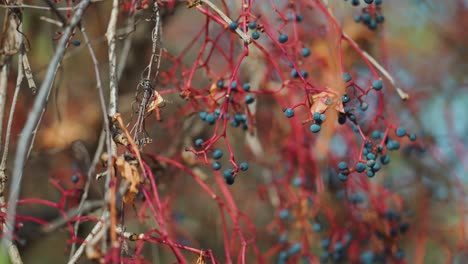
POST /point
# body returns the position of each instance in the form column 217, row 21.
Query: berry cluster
column 371, row 15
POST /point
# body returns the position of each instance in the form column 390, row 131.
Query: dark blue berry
column 238, row 117
column 370, row 156
column 368, row 145
column 342, row 165
column 217, row 154
column 305, row 52
column 216, row 165
column 400, row 254
column 412, row 137
column 244, row 117
column 355, row 2
column 364, row 106
column 347, row 77
column 255, row 35
column 252, row 25
column 283, row 38
column 220, row 84
column 400, row 132
column 393, row 145
column 379, row 148
column 202, row 115
column 368, row 1
column 376, row 134
column 210, row 118
column 294, row 249
column 228, row 175
column 376, row 167
column 360, row 167
column 244, row 166
column 230, row 180
column 315, row 128
column 246, row 87
column 385, row 159
column 338, row 246
column 345, row 98
column 365, row 152
column 282, row 257
column 317, row 227
column 289, row 112
column 76, row 43
column 233, row 85
column 377, row 85
column 366, row 18
column 355, row 129
column 233, row 25
column 294, row 73
column 322, row 118
column 325, row 243
column 297, row 181
column 367, row 257
column 316, row 116
column 370, row 173
column 198, row 142
column 284, row 214
column 341, row 118
column 75, row 178
column 234, row 123
column 357, row 18
column 379, row 19
column 342, row 176
column 249, row 99
column 372, row 24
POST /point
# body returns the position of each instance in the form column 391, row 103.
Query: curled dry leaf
column 156, row 101
column 130, row 173
column 121, row 139
column 10, row 41
column 325, row 100
column 104, row 158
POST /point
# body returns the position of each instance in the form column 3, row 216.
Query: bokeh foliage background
column 422, row 43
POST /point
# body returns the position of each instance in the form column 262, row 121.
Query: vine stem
column 26, row 140
column 105, row 134
column 3, row 94
column 95, row 232
column 367, row 57
column 110, row 35
column 403, row 95
column 13, row 252
column 14, row 26
column 239, row 32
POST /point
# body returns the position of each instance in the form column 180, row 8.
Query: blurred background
column 422, row 43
